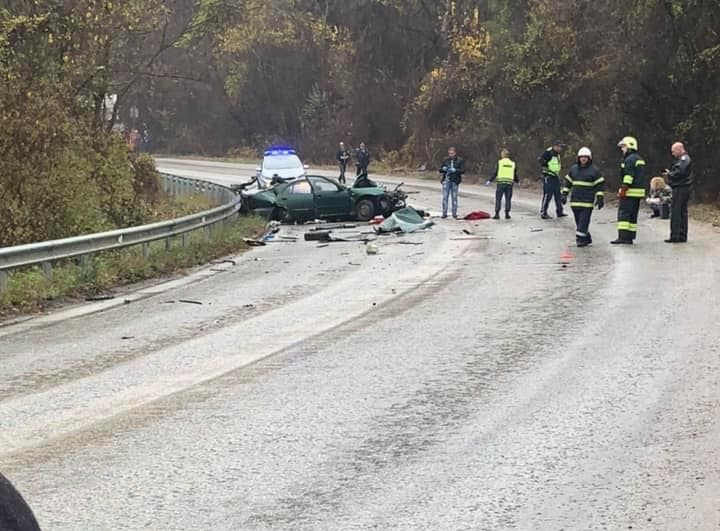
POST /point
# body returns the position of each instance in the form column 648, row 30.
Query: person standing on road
column 15, row 513
column 551, row 167
column 342, row 156
column 586, row 187
column 362, row 159
column 506, row 175
column 680, row 180
column 452, row 170
column 631, row 192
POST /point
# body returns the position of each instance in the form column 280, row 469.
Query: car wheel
column 365, row 210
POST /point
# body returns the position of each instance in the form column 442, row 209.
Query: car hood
column 260, row 199
column 284, row 174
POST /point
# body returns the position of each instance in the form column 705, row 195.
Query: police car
column 279, row 164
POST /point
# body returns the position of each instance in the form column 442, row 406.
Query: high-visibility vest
column 506, row 171
column 554, row 165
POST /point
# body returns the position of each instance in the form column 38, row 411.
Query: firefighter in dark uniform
column 506, row 175
column 631, row 192
column 680, row 180
column 586, row 187
column 551, row 167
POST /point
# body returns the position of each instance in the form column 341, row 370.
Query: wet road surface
column 461, row 384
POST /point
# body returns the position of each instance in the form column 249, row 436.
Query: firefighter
column 551, row 167
column 680, row 179
column 631, row 192
column 586, row 187
column 506, row 175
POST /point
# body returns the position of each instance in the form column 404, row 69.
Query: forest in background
column 409, row 77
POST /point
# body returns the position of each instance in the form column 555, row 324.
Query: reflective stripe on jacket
column 506, row 171
column 586, row 183
column 632, row 173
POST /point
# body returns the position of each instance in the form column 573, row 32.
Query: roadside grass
column 177, row 207
column 706, row 212
column 29, row 291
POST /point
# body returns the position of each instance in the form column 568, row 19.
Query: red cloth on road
column 477, row 214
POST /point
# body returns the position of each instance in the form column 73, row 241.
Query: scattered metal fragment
column 95, row 298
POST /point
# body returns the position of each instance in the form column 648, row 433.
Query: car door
column 298, row 200
column 331, row 199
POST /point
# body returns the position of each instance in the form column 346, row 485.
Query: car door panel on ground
column 331, row 199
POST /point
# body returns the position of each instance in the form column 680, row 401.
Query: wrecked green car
column 315, row 197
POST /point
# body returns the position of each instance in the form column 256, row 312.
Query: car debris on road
column 406, row 220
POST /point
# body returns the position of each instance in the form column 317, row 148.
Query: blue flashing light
column 280, row 150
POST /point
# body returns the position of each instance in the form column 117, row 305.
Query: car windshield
column 282, row 162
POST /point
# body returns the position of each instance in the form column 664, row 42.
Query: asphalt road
column 462, row 383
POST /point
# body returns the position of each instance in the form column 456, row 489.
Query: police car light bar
column 280, row 150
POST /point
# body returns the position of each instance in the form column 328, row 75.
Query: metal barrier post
column 47, row 270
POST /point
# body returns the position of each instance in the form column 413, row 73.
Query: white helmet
column 585, row 152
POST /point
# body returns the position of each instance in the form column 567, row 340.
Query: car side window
column 322, row 185
column 301, row 187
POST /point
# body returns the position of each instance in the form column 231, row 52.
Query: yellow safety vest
column 506, row 171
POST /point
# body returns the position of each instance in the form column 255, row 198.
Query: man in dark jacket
column 452, row 170
column 680, row 180
column 631, row 192
column 586, row 187
column 15, row 514
column 551, row 167
column 362, row 159
column 342, row 156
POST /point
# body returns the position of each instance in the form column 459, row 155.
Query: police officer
column 586, row 187
column 631, row 192
column 506, row 175
column 452, row 170
column 362, row 159
column 342, row 156
column 680, row 180
column 551, row 167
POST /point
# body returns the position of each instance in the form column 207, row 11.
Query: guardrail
column 45, row 253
